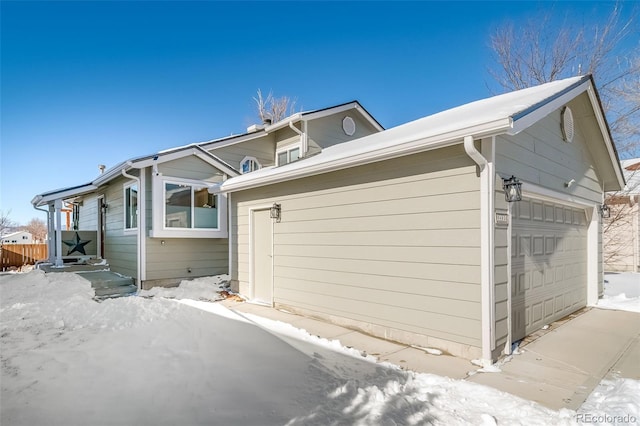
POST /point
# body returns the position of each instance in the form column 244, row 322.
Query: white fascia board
column 318, row 164
column 232, row 140
column 604, row 129
column 40, row 200
column 194, row 150
column 342, row 108
column 536, row 115
column 283, row 123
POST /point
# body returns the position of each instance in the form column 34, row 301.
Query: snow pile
column 205, row 289
column 391, row 395
column 614, row 401
column 621, row 292
column 67, row 359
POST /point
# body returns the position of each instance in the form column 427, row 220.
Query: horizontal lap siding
column 88, row 220
column 261, row 149
column 395, row 244
column 174, row 258
column 120, row 250
column 329, row 131
column 539, row 155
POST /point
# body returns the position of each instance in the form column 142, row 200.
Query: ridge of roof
column 509, row 113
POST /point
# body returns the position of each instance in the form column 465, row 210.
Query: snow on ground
column 204, row 288
column 621, row 291
column 67, row 359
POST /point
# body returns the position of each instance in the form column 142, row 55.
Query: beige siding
column 183, row 258
column 190, row 168
column 328, row 131
column 262, row 149
column 539, row 155
column 393, row 244
column 89, row 213
column 120, row 249
column 174, row 258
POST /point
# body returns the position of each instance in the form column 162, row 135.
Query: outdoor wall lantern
column 275, row 212
column 512, row 189
column 104, row 208
column 605, row 212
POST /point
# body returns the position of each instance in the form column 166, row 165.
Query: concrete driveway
column 558, row 367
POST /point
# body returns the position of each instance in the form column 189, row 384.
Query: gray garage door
column 548, row 264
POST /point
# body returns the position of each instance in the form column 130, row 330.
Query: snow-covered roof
column 14, row 234
column 509, row 113
column 200, row 149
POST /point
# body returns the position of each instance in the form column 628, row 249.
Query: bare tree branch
column 543, row 51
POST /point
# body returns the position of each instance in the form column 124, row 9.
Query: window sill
column 188, row 233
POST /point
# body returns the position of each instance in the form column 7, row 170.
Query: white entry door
column 548, row 264
column 262, row 256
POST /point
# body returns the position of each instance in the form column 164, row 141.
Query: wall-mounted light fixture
column 512, row 189
column 104, row 208
column 275, row 211
column 605, row 212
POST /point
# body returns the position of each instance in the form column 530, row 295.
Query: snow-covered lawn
column 176, row 357
column 621, row 291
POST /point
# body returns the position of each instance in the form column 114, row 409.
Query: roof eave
column 411, row 145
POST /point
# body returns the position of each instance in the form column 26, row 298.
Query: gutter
column 139, row 223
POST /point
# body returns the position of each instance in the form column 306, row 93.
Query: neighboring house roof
column 12, row 234
column 199, row 149
column 509, row 113
column 632, row 175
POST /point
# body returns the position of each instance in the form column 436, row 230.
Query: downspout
column 486, row 250
column 303, row 139
column 139, row 233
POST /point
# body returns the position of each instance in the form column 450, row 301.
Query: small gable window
column 249, row 164
column 288, row 155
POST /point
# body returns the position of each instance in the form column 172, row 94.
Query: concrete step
column 120, row 291
column 109, row 284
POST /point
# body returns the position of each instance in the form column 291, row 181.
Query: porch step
column 108, row 284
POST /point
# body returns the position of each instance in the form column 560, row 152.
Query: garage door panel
column 548, row 263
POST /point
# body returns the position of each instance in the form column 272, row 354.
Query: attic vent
column 349, row 126
column 567, row 124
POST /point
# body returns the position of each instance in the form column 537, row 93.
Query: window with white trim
column 189, row 207
column 131, row 206
column 288, row 155
column 184, row 208
column 249, row 164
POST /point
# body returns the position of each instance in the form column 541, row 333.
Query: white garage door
column 548, row 264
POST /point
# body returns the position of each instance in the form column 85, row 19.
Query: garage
column 549, row 263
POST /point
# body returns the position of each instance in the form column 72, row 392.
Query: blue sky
column 88, row 83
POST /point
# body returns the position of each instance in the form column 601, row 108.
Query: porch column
column 51, row 236
column 58, row 207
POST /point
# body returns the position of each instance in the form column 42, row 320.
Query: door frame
column 252, row 282
column 102, row 224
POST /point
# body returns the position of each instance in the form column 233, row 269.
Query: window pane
column 294, row 154
column 282, row 158
column 131, row 207
column 206, row 212
column 246, row 166
column 178, row 205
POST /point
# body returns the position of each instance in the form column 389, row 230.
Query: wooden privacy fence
column 16, row 255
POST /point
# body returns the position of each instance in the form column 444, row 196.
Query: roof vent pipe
column 101, row 167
